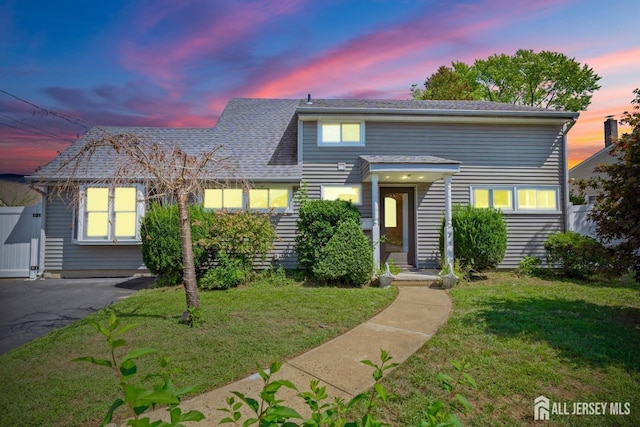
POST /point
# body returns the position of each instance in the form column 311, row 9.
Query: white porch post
column 375, row 229
column 448, row 241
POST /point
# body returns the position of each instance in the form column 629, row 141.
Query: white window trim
column 359, row 186
column 514, row 197
column 539, row 187
column 79, row 215
column 246, row 202
column 360, row 143
column 495, row 187
column 288, row 209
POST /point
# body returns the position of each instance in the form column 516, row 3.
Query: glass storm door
column 397, row 219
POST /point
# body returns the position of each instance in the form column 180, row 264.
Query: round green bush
column 479, row 237
column 317, row 223
column 347, row 258
column 575, row 255
column 161, row 242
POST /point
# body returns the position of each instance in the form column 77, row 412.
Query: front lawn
column 569, row 341
column 243, row 327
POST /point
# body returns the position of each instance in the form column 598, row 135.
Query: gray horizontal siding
column 64, row 257
column 283, row 252
column 490, row 155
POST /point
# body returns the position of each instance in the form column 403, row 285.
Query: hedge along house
column 403, row 163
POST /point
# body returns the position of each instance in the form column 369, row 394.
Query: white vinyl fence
column 579, row 221
column 19, row 241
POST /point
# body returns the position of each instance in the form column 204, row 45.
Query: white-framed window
column 341, row 133
column 518, row 198
column 276, row 198
column 271, row 198
column 537, row 198
column 492, row 197
column 109, row 214
column 223, row 198
column 351, row 193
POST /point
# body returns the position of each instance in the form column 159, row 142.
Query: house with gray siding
column 403, row 163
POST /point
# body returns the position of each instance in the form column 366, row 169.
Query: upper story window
column 516, row 198
column 350, row 193
column 341, row 134
column 109, row 214
column 223, row 198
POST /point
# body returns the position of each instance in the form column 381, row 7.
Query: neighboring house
column 401, row 162
column 584, row 170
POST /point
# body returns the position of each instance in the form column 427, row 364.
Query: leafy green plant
column 317, row 223
column 479, row 237
column 269, row 410
column 458, row 270
column 529, row 266
column 274, row 277
column 193, row 317
column 240, row 236
column 393, row 268
column 228, row 273
column 161, row 243
column 574, row 254
column 136, row 398
column 442, row 413
column 347, row 258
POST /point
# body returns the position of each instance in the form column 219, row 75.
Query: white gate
column 20, row 241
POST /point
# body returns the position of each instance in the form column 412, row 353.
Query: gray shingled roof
column 104, row 161
column 259, row 136
column 420, row 106
column 262, row 135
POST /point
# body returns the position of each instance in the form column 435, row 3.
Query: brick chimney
column 610, row 130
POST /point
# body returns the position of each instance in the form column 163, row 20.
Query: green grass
column 569, row 341
column 243, row 327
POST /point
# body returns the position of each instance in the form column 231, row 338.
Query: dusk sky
column 177, row 63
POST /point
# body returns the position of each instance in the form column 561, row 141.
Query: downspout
column 42, row 239
column 566, row 127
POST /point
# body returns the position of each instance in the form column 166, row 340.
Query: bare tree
column 166, row 169
column 165, row 165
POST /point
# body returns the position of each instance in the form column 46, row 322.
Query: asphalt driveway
column 32, row 308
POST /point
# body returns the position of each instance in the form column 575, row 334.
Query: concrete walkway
column 401, row 329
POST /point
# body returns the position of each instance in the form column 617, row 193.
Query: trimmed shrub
column 347, row 258
column 228, row 273
column 479, row 237
column 576, row 255
column 242, row 236
column 161, row 243
column 317, row 223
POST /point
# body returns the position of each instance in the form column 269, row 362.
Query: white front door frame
column 375, row 230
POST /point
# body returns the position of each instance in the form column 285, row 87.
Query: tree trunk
column 189, row 269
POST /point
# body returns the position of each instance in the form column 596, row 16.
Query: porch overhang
column 407, row 169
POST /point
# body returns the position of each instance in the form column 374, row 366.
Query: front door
column 398, row 225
